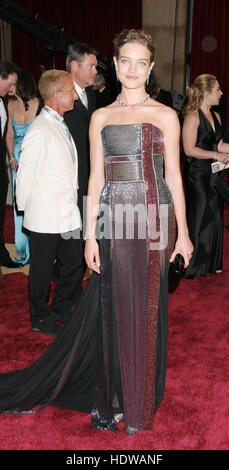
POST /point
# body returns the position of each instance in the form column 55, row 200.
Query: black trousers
column 4, row 254
column 45, row 248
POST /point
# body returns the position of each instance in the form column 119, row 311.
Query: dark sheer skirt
column 132, row 354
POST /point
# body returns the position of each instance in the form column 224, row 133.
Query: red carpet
column 194, row 414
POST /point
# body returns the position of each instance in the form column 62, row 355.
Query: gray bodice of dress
column 126, row 140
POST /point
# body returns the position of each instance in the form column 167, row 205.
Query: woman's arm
column 95, row 186
column 174, row 180
column 223, row 147
column 10, row 142
column 189, row 136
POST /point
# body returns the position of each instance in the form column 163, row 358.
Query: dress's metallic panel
column 120, row 142
column 163, row 190
column 123, row 171
column 123, row 158
column 126, row 140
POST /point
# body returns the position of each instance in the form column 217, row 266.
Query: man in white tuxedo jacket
column 46, row 190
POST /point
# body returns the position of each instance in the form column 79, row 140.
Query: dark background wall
column 90, row 21
column 210, row 43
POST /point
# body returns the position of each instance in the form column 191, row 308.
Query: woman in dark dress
column 203, row 145
column 111, row 358
column 133, row 138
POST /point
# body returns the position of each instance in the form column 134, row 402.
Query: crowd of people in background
column 21, row 103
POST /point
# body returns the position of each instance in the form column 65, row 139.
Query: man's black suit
column 4, row 254
column 78, row 121
column 104, row 97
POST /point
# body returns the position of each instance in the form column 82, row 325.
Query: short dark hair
column 77, row 51
column 6, row 68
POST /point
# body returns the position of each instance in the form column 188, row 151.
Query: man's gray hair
column 77, row 52
column 50, row 82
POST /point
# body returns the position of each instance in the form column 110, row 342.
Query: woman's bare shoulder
column 162, row 116
column 101, row 116
column 160, row 109
column 13, row 103
column 166, row 111
column 191, row 120
column 192, row 115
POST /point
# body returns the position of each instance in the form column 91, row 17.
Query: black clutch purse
column 176, row 272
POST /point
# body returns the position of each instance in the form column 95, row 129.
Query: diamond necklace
column 132, row 105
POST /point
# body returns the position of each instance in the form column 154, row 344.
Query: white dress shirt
column 59, row 121
column 82, row 94
column 3, row 116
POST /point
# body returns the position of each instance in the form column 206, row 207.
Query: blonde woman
column 203, row 145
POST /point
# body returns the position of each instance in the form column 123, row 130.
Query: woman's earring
column 147, row 80
column 206, row 102
column 117, row 78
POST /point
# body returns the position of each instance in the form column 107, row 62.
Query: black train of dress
column 204, row 203
column 112, row 355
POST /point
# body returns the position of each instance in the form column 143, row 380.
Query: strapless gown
column 21, row 237
column 204, row 203
column 112, row 355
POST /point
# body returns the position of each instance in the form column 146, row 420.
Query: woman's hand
column 184, row 247
column 13, row 164
column 222, row 157
column 91, row 254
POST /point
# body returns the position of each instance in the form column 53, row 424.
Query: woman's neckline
column 133, row 124
column 213, row 117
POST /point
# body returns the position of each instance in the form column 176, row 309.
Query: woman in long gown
column 205, row 191
column 110, row 359
column 22, row 108
column 129, row 138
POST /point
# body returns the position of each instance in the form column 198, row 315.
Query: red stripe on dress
column 153, row 275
